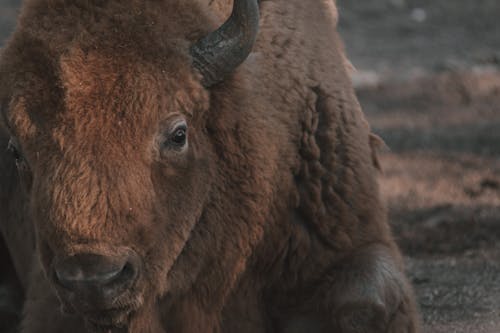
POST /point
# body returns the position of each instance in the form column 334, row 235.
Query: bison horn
column 217, row 55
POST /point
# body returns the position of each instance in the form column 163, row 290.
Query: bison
column 171, row 170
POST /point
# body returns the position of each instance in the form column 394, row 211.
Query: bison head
column 107, row 106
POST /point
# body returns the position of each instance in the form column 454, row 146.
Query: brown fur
column 270, row 222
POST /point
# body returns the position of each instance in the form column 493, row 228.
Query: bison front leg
column 368, row 293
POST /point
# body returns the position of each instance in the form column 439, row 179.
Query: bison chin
column 99, row 320
column 106, row 321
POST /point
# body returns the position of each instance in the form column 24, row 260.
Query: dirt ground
column 429, row 81
column 406, row 38
column 441, row 181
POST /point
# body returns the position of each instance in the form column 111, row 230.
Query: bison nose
column 93, row 273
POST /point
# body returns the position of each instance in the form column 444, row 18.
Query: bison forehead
column 128, row 66
column 94, row 97
column 93, row 74
column 99, row 79
column 102, row 92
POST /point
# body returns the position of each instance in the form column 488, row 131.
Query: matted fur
column 270, row 222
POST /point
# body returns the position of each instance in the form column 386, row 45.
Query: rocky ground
column 429, row 81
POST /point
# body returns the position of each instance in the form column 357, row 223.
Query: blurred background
column 428, row 78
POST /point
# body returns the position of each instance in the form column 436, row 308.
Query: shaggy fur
column 271, row 219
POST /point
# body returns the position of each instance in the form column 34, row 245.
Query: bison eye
column 178, row 137
column 21, row 163
column 13, row 149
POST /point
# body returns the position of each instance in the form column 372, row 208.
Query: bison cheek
column 182, row 195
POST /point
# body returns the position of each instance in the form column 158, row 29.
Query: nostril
column 90, row 270
column 78, row 275
column 104, row 277
column 126, row 273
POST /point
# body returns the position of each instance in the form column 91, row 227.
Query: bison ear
column 218, row 54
